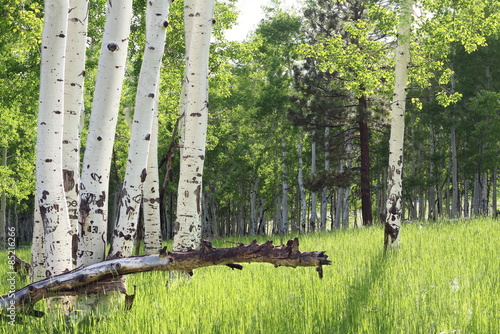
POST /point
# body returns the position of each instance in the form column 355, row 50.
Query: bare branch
column 106, row 276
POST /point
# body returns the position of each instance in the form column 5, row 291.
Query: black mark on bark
column 69, row 179
column 144, row 174
column 112, row 47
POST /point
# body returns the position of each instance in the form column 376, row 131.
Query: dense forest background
column 299, row 117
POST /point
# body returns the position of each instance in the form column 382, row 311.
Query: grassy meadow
column 444, row 279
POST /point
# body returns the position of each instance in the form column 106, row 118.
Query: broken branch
column 105, row 276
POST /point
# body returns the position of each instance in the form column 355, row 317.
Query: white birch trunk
column 198, row 16
column 151, row 196
column 49, row 174
column 100, row 139
column 157, row 12
column 73, row 108
column 396, row 143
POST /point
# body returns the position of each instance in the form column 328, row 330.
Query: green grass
column 444, row 279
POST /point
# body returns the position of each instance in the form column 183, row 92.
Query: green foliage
column 19, row 59
column 442, row 280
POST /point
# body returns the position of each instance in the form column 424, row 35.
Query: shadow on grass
column 356, row 303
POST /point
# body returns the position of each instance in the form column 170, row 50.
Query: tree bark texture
column 365, row 185
column 73, row 108
column 151, row 195
column 198, row 17
column 49, row 161
column 396, row 141
column 94, row 195
column 157, row 12
column 106, row 276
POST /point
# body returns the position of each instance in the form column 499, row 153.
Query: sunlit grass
column 444, row 279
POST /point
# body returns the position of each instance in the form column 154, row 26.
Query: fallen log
column 106, row 276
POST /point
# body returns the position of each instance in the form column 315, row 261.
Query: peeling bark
column 106, row 276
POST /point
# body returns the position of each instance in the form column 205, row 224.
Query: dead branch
column 106, row 276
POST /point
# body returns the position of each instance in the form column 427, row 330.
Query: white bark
column 396, row 141
column 151, row 196
column 38, row 256
column 73, row 107
column 99, row 148
column 198, row 15
column 157, row 12
column 49, row 174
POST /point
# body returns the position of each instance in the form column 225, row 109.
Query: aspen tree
column 49, row 175
column 97, row 159
column 396, row 141
column 198, row 16
column 157, row 12
column 151, row 195
column 73, row 107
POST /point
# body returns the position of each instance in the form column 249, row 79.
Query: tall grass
column 444, row 279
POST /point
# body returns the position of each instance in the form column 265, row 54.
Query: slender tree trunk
column 199, row 16
column 396, row 142
column 339, row 205
column 38, row 255
column 302, row 191
column 432, row 188
column 324, row 191
column 157, row 12
column 73, row 109
column 49, row 173
column 454, row 175
column 314, row 216
column 151, row 195
column 253, row 207
column 100, row 138
column 366, row 200
column 284, row 199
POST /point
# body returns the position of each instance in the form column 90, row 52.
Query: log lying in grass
column 106, row 276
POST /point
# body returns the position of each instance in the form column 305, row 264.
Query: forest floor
column 445, row 278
